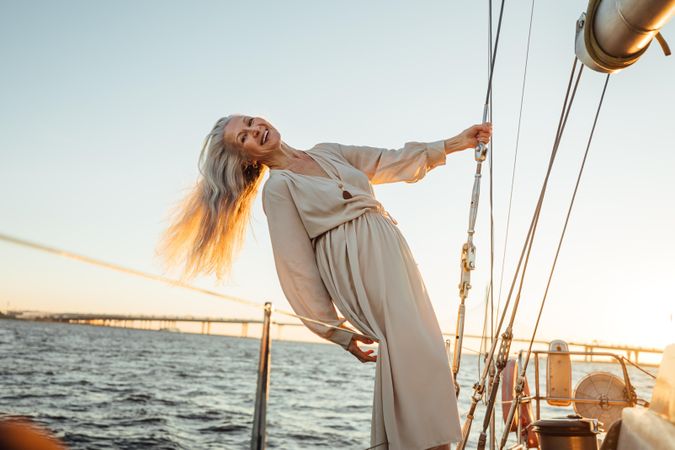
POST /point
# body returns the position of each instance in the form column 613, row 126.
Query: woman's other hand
column 355, row 350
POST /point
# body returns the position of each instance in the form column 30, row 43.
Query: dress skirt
column 369, row 271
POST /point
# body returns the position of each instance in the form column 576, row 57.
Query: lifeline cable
column 523, row 369
column 161, row 279
column 169, row 281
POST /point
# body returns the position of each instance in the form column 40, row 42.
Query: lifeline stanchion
column 258, row 434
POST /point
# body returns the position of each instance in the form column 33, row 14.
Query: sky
column 104, row 107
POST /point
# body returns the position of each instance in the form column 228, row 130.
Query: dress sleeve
column 408, row 164
column 296, row 265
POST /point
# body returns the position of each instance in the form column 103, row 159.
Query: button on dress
column 335, row 246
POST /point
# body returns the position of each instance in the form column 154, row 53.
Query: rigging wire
column 567, row 219
column 469, row 249
column 638, row 367
column 523, row 369
column 483, row 336
column 522, row 262
column 515, row 157
column 490, row 297
column 490, row 165
column 527, row 248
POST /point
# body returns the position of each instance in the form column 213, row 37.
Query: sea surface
column 114, row 388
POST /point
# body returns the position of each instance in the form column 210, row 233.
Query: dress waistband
column 380, row 211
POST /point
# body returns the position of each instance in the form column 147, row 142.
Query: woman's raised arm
column 409, row 164
column 412, row 162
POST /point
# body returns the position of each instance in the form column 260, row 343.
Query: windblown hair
column 208, row 228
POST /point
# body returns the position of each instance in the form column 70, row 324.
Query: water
column 98, row 388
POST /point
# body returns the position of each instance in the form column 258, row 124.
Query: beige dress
column 331, row 251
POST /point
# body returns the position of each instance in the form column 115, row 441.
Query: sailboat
column 610, row 36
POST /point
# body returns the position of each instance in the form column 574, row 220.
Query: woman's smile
column 254, row 135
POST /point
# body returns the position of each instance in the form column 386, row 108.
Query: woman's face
column 254, row 136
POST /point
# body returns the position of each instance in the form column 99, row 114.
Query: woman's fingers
column 366, row 356
column 362, row 356
column 479, row 133
column 483, row 132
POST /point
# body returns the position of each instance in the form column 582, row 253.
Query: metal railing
column 258, row 434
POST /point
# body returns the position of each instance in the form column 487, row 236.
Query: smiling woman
column 334, row 246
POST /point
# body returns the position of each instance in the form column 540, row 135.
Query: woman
column 334, row 245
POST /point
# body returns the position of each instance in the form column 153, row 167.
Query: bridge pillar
column 244, row 329
column 208, row 328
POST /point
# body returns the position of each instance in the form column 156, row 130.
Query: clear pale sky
column 104, row 106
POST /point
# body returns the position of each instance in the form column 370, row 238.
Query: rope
column 567, row 219
column 122, row 269
column 523, row 370
column 567, row 104
column 535, row 222
column 483, row 336
column 638, row 367
column 161, row 279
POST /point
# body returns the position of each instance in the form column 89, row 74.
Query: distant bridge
column 145, row 321
column 165, row 322
column 632, row 352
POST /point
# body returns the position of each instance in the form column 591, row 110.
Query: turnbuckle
column 504, row 347
column 480, row 152
column 520, row 385
column 468, row 264
column 478, row 390
column 468, row 256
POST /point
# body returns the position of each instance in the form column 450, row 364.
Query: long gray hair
column 208, row 228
